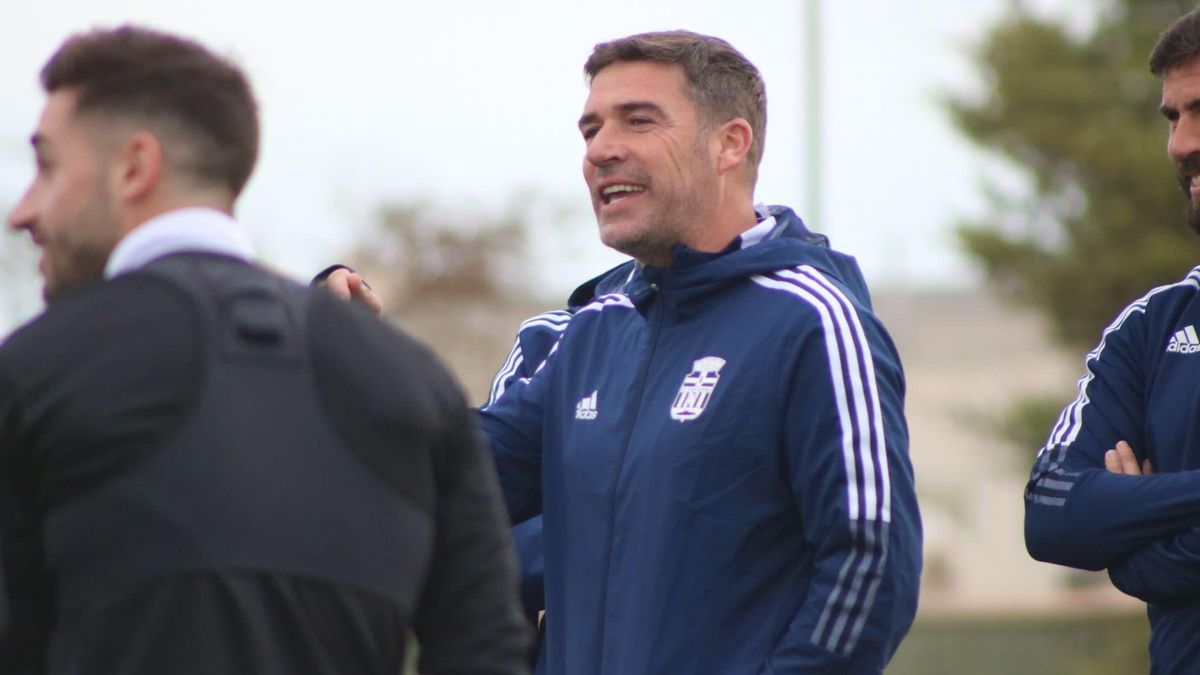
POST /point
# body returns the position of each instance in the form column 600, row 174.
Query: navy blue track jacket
column 1141, row 385
column 538, row 335
column 720, row 455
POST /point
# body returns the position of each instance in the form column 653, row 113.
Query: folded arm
column 1166, row 571
column 1163, row 572
column 1079, row 514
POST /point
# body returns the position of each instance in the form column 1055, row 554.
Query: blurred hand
column 349, row 285
column 1122, row 460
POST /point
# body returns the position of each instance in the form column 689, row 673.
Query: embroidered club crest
column 697, row 388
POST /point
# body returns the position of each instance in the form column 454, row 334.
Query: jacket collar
column 192, row 230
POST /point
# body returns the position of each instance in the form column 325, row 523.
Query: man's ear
column 137, row 166
column 734, row 137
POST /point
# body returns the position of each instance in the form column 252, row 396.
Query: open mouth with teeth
column 614, row 193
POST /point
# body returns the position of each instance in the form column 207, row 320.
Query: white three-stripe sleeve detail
column 871, row 536
column 871, row 398
column 511, row 366
column 554, row 323
column 841, row 398
column 553, row 348
column 855, row 380
column 554, row 320
column 604, row 301
column 1070, row 421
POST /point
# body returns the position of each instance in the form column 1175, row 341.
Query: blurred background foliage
column 460, row 279
column 420, row 252
column 1100, row 221
column 19, row 281
column 1103, row 219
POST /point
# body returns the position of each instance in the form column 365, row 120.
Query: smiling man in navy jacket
column 1094, row 500
column 718, row 446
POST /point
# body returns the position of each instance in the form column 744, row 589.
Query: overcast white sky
column 466, row 103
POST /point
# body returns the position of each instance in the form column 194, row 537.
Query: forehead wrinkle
column 634, row 106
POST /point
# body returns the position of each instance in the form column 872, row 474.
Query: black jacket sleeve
column 25, row 616
column 468, row 619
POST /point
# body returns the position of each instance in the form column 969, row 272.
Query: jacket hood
column 789, row 243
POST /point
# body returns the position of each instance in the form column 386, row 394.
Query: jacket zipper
column 655, row 328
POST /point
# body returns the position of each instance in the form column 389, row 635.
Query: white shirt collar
column 761, row 231
column 192, row 229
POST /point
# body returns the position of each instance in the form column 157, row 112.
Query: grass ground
column 1109, row 644
column 1083, row 645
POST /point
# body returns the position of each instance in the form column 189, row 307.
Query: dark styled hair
column 202, row 101
column 1178, row 44
column 722, row 82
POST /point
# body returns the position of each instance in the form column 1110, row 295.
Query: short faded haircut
column 722, row 82
column 172, row 83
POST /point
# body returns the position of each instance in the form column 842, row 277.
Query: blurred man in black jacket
column 205, row 468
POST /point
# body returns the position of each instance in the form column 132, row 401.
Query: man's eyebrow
column 624, row 108
column 1191, row 106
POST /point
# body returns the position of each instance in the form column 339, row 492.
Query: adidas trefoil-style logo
column 1184, row 341
column 586, row 409
column 697, row 389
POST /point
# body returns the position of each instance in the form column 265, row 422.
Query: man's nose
column 606, row 147
column 24, row 214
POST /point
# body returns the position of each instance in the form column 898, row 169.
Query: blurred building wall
column 967, row 357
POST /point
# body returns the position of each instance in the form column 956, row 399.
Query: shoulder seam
column 606, row 301
column 555, row 319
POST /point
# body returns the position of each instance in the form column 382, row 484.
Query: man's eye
column 639, row 121
column 588, row 133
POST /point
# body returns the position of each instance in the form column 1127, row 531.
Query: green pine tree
column 1078, row 114
column 1104, row 220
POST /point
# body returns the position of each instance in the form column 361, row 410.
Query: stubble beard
column 1193, row 216
column 1189, row 166
column 648, row 241
column 670, row 222
column 79, row 256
